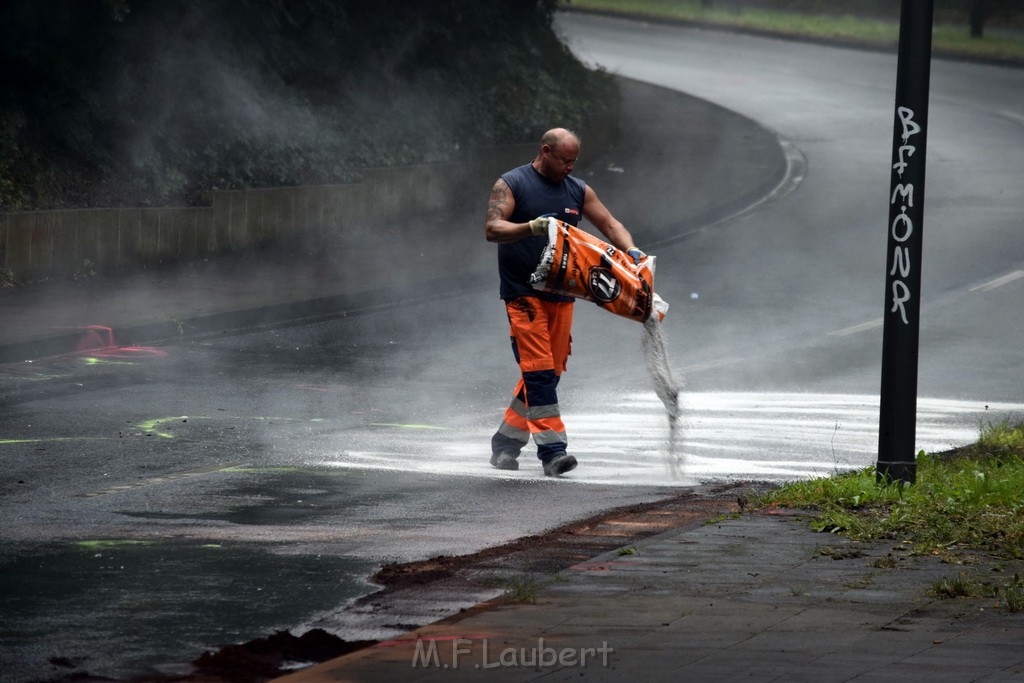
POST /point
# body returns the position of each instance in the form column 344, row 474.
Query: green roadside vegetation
column 153, row 103
column 966, row 504
column 840, row 21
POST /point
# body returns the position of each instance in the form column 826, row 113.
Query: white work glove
column 539, row 225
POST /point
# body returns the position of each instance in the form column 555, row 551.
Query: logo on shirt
column 573, row 212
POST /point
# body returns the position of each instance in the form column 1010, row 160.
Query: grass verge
column 969, row 499
column 949, row 40
column 1009, row 595
column 966, row 502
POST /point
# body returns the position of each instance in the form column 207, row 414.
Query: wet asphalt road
column 165, row 501
column 186, row 497
column 811, row 284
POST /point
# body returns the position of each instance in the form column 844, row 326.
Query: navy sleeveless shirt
column 535, row 196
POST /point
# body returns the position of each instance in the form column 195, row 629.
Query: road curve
column 790, row 296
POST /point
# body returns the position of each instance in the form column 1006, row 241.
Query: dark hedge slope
column 116, row 102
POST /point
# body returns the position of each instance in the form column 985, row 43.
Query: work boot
column 558, row 465
column 504, row 460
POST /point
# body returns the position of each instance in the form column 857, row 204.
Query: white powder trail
column 668, row 388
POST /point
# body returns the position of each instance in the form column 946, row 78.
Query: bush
column 156, row 101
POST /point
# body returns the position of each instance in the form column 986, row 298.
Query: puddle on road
column 122, row 609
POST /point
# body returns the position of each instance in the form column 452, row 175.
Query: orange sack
column 577, row 264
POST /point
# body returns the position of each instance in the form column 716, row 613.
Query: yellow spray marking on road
column 154, row 426
column 109, row 543
column 225, row 468
column 34, row 377
column 408, row 426
column 290, row 470
column 160, row 480
column 101, row 361
column 263, row 469
column 51, row 439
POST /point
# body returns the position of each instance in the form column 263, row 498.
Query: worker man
column 541, row 322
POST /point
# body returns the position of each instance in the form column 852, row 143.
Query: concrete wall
column 41, row 244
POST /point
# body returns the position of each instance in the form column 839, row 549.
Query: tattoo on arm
column 498, row 205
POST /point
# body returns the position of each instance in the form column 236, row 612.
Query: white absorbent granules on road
column 668, row 388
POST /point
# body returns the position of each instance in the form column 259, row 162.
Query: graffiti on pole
column 902, row 226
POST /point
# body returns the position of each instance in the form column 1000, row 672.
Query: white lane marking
column 854, row 329
column 1011, row 115
column 878, row 322
column 781, row 437
column 998, row 282
column 796, row 170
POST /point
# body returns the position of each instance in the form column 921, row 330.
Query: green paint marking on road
column 109, row 543
column 409, row 426
column 211, row 545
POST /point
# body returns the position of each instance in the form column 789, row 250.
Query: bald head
column 559, row 149
column 556, row 137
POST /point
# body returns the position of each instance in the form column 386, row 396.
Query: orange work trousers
column 541, row 341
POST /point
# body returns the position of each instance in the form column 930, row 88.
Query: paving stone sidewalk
column 758, row 598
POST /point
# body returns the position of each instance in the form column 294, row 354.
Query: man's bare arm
column 497, row 227
column 596, row 212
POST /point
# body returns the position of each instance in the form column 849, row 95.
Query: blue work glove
column 636, row 255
